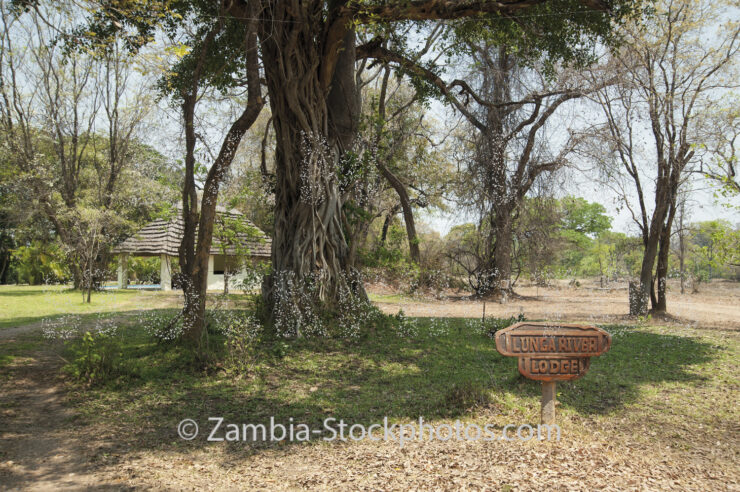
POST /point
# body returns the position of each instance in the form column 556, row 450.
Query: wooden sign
column 550, row 352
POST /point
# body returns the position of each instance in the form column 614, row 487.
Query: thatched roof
column 164, row 237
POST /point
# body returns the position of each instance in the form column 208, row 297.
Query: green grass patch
column 27, row 304
column 447, row 369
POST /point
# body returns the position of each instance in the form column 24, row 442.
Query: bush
column 40, row 263
column 434, row 281
column 404, row 326
column 144, row 270
column 163, row 327
column 95, row 358
column 243, row 334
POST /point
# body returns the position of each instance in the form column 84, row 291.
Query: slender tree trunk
column 196, row 253
column 682, row 249
column 4, row 268
column 502, row 250
column 193, row 321
column 408, row 212
column 387, row 223
column 661, row 273
column 650, row 253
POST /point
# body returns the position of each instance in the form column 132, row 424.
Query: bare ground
column 44, row 445
column 40, row 446
column 717, row 306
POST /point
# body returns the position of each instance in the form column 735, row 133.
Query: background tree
column 402, row 165
column 669, row 77
column 721, row 138
column 70, row 123
column 513, row 100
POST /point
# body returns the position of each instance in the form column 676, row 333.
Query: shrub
column 144, row 270
column 40, row 263
column 403, row 326
column 163, row 327
column 243, row 334
column 95, row 357
column 354, row 317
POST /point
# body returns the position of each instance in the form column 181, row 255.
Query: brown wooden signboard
column 550, row 352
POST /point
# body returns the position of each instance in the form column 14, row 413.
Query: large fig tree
column 308, row 53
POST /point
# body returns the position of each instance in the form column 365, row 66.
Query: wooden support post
column 548, row 402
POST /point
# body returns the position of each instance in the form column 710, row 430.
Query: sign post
column 551, row 352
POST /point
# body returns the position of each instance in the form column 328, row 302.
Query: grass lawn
column 656, row 383
column 20, row 305
column 27, row 304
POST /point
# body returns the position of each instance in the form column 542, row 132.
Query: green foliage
column 389, row 261
column 583, row 217
column 569, row 31
column 713, row 250
column 40, row 263
column 242, row 333
column 94, row 358
column 143, row 269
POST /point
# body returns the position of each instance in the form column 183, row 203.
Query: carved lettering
column 550, row 352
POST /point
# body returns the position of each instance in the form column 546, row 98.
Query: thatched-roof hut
column 163, row 237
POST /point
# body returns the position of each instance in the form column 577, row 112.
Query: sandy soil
column 40, row 446
column 715, row 306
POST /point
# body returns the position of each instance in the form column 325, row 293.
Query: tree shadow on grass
column 636, row 359
column 363, row 381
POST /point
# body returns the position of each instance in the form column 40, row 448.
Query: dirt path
column 40, row 449
column 16, row 331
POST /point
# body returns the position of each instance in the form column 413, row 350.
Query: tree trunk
column 661, row 273
column 193, row 310
column 194, row 254
column 90, row 278
column 495, row 272
column 408, row 212
column 4, row 268
column 387, row 223
column 646, row 270
column 502, row 250
column 314, row 112
column 682, row 248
